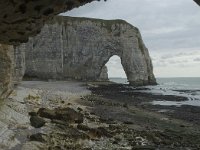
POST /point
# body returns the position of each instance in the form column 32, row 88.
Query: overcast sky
column 170, row 29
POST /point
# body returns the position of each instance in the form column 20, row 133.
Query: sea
column 188, row 87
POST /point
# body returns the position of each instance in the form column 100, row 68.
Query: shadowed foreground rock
column 197, row 1
column 21, row 19
column 66, row 114
column 79, row 48
column 106, row 123
column 37, row 122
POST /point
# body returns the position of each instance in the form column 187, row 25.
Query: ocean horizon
column 188, row 87
column 161, row 80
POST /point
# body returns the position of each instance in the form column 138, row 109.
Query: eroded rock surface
column 12, row 68
column 21, row 19
column 197, row 1
column 79, row 48
column 17, row 114
column 18, row 65
column 75, row 119
column 6, row 68
column 104, row 74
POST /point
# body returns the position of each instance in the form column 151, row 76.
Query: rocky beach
column 94, row 115
column 55, row 92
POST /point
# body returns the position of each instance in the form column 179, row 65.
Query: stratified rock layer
column 6, row 68
column 19, row 65
column 79, row 48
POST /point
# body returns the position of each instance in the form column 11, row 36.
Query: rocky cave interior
column 21, row 20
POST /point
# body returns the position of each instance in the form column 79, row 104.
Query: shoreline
column 142, row 98
column 113, row 116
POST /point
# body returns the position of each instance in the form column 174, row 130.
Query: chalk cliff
column 79, row 48
column 18, row 65
column 6, row 65
column 19, row 20
column 104, row 74
column 12, row 68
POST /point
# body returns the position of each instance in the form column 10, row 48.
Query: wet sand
column 133, row 97
column 110, row 116
column 178, row 125
column 126, row 94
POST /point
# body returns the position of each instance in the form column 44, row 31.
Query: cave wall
column 78, row 48
column 197, row 1
column 6, row 69
column 21, row 19
column 104, row 74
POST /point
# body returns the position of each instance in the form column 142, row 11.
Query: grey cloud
column 166, row 26
column 170, row 60
column 167, row 56
column 173, row 62
column 177, row 21
column 178, row 55
column 160, row 64
column 186, row 54
column 197, row 59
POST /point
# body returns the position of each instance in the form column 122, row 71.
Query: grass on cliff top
column 107, row 23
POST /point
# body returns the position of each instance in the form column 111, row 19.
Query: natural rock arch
column 27, row 22
column 104, row 74
column 21, row 19
column 79, row 48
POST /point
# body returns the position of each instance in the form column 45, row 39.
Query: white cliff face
column 19, row 20
column 104, row 74
column 18, row 65
column 6, row 69
column 12, row 68
column 79, row 48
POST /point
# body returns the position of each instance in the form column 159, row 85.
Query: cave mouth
column 116, row 71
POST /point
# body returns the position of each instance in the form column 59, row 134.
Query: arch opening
column 116, row 71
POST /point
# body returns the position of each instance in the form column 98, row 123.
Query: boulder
column 37, row 122
column 68, row 115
